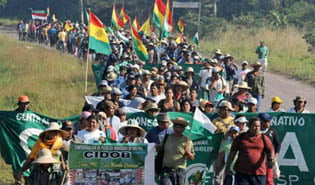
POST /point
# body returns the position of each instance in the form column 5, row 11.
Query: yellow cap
column 276, row 99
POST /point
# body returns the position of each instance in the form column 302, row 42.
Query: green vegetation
column 53, row 81
column 288, row 50
column 8, row 22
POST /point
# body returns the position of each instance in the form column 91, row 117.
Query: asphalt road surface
column 276, row 85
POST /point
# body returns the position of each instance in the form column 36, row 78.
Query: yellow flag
column 146, row 28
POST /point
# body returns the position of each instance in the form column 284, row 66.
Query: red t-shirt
column 251, row 156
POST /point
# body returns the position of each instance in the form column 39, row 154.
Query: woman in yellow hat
column 275, row 105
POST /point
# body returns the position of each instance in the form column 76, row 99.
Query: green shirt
column 262, row 52
column 174, row 152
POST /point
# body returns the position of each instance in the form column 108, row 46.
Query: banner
column 177, row 4
column 112, row 164
column 19, row 132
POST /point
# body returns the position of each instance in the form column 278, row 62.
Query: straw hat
column 242, row 85
column 131, row 124
column 45, row 157
column 53, row 126
column 226, row 104
column 218, row 51
column 163, row 117
column 111, row 76
column 190, row 69
column 256, row 64
column 180, row 121
column 152, row 106
column 181, row 83
column 106, row 89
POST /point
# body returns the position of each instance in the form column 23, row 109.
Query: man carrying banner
column 177, row 148
column 23, row 104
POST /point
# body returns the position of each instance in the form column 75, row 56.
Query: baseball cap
column 265, row 117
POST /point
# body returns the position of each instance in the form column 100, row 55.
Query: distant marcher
column 251, row 104
column 241, row 73
column 275, row 105
column 255, row 153
column 262, row 51
column 204, row 74
column 23, row 104
column 216, row 86
column 299, row 105
column 255, row 80
column 177, row 148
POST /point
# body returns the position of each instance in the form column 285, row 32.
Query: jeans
column 172, row 176
column 244, row 179
column 259, row 100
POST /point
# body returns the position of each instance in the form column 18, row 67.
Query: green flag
column 196, row 39
column 19, row 132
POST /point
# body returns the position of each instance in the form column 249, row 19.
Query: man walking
column 262, row 51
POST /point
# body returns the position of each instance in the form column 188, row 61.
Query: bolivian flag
column 98, row 39
column 168, row 21
column 138, row 46
column 116, row 21
column 136, row 24
column 124, row 15
column 180, row 25
column 146, row 28
column 159, row 13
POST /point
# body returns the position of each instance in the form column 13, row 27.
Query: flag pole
column 87, row 57
column 86, row 70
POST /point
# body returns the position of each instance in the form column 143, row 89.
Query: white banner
column 177, row 4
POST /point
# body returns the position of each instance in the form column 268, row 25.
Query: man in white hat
column 251, row 104
column 299, row 105
column 242, row 72
column 205, row 74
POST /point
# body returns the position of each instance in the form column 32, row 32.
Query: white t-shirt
column 213, row 93
column 90, row 137
column 114, row 123
column 271, row 110
column 241, row 74
column 204, row 74
column 292, row 110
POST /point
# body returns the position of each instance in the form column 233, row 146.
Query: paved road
column 287, row 90
column 276, row 85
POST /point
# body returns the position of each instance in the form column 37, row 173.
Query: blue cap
column 265, row 117
column 235, row 128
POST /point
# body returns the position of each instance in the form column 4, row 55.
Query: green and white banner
column 112, row 163
column 19, row 131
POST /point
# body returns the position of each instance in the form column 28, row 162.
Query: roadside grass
column 288, row 50
column 8, row 21
column 53, row 81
